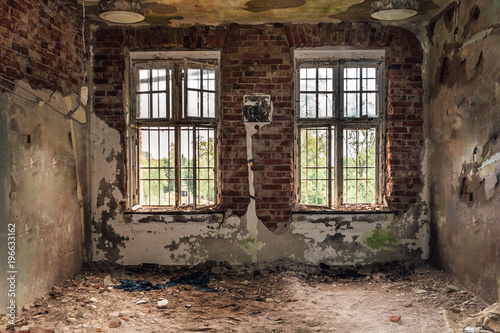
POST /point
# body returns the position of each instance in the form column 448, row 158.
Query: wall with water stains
column 43, row 144
column 256, row 221
column 43, row 176
column 464, row 114
column 189, row 238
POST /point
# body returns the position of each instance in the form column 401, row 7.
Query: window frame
column 176, row 118
column 338, row 60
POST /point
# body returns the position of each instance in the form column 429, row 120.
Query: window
column 339, row 132
column 173, row 133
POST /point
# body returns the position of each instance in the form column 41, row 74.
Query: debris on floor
column 487, row 320
column 282, row 296
column 139, row 285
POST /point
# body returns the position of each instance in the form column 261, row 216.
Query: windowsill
column 155, row 210
column 344, row 209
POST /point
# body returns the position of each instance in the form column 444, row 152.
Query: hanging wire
column 25, row 97
column 37, row 100
column 84, row 20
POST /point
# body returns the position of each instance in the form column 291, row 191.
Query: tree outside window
column 339, row 125
column 174, row 132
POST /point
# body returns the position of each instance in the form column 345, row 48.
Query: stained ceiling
column 216, row 12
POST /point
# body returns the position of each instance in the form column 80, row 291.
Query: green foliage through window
column 338, row 126
column 175, row 125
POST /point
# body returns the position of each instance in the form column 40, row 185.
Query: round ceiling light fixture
column 121, row 11
column 392, row 10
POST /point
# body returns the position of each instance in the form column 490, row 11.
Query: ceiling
column 216, row 12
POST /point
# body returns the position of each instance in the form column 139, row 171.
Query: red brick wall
column 109, row 71
column 41, row 41
column 404, row 114
column 258, row 59
column 109, row 62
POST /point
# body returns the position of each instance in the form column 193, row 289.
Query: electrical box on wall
column 257, row 108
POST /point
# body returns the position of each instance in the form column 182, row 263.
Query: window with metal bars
column 174, row 130
column 339, row 126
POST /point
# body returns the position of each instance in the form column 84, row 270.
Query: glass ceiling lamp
column 392, row 10
column 121, row 11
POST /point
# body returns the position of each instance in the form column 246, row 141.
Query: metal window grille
column 339, row 139
column 175, row 122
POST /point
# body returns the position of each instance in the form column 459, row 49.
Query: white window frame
column 338, row 59
column 177, row 120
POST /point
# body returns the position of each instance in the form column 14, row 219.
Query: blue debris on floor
column 197, row 279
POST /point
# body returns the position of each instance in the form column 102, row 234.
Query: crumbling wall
column 258, row 59
column 464, row 102
column 43, row 143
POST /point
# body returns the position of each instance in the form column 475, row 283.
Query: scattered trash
column 247, row 290
column 108, row 282
column 162, row 304
column 197, row 279
column 140, row 285
column 39, row 316
column 35, row 329
column 394, row 319
column 488, row 319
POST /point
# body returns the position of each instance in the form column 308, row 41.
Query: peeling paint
column 105, row 182
column 264, row 5
column 380, row 239
column 135, row 238
column 465, row 155
column 477, row 37
column 44, row 200
column 159, row 8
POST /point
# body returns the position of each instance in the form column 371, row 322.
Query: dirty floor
column 278, row 297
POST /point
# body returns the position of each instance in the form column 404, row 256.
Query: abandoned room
column 250, row 166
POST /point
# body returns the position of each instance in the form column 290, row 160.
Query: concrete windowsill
column 177, row 216
column 340, row 212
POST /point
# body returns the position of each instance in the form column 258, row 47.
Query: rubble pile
column 219, row 297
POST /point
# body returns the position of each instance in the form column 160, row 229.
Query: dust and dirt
column 278, row 297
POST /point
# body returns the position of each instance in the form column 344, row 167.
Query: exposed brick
column 59, row 60
column 259, row 59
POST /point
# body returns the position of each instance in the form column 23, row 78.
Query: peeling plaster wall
column 464, row 106
column 41, row 193
column 258, row 59
column 192, row 238
column 184, row 13
column 5, row 172
column 43, row 165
